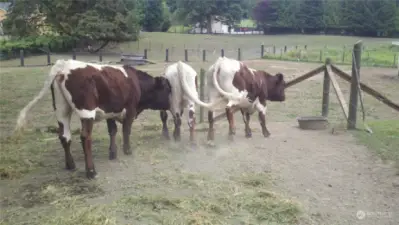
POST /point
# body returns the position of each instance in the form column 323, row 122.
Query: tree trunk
column 209, row 24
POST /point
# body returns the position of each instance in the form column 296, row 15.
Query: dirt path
column 330, row 175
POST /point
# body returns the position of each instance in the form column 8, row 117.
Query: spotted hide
column 99, row 92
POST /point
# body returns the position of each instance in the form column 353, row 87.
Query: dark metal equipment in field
column 133, row 59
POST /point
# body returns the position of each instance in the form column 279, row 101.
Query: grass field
column 170, row 183
column 384, row 141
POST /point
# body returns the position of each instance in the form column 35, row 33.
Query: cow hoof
column 266, row 135
column 248, row 135
column 230, row 137
column 165, row 135
column 127, row 151
column 193, row 146
column 91, row 174
column 210, row 143
column 177, row 138
column 112, row 155
column 70, row 166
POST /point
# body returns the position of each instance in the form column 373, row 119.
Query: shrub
column 35, row 44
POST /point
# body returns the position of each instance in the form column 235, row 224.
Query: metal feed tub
column 312, row 122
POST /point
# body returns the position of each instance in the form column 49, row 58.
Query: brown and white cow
column 239, row 86
column 96, row 92
column 230, row 76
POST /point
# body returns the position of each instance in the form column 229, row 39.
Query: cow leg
column 164, row 118
column 246, row 118
column 126, row 127
column 85, row 137
column 112, row 130
column 211, row 131
column 230, row 118
column 64, row 134
column 176, row 132
column 191, row 121
column 63, row 113
column 262, row 118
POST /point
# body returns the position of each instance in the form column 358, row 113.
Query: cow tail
column 52, row 95
column 241, row 98
column 216, row 71
column 55, row 69
column 188, row 90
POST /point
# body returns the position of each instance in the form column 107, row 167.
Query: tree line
column 354, row 17
column 60, row 25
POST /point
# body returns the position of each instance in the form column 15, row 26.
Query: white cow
column 182, row 96
column 230, row 83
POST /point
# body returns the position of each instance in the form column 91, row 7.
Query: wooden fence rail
column 366, row 88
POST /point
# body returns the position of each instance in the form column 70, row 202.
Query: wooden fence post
column 394, row 61
column 326, row 90
column 202, row 93
column 262, row 51
column 239, row 54
column 222, row 52
column 285, row 48
column 145, row 53
column 73, row 54
column 185, row 55
column 203, row 55
column 354, row 92
column 48, row 59
column 100, row 56
column 274, row 49
column 21, row 57
column 167, row 55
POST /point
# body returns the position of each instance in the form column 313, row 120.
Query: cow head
column 276, row 87
column 157, row 94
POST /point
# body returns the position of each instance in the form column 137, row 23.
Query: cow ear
column 280, row 77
